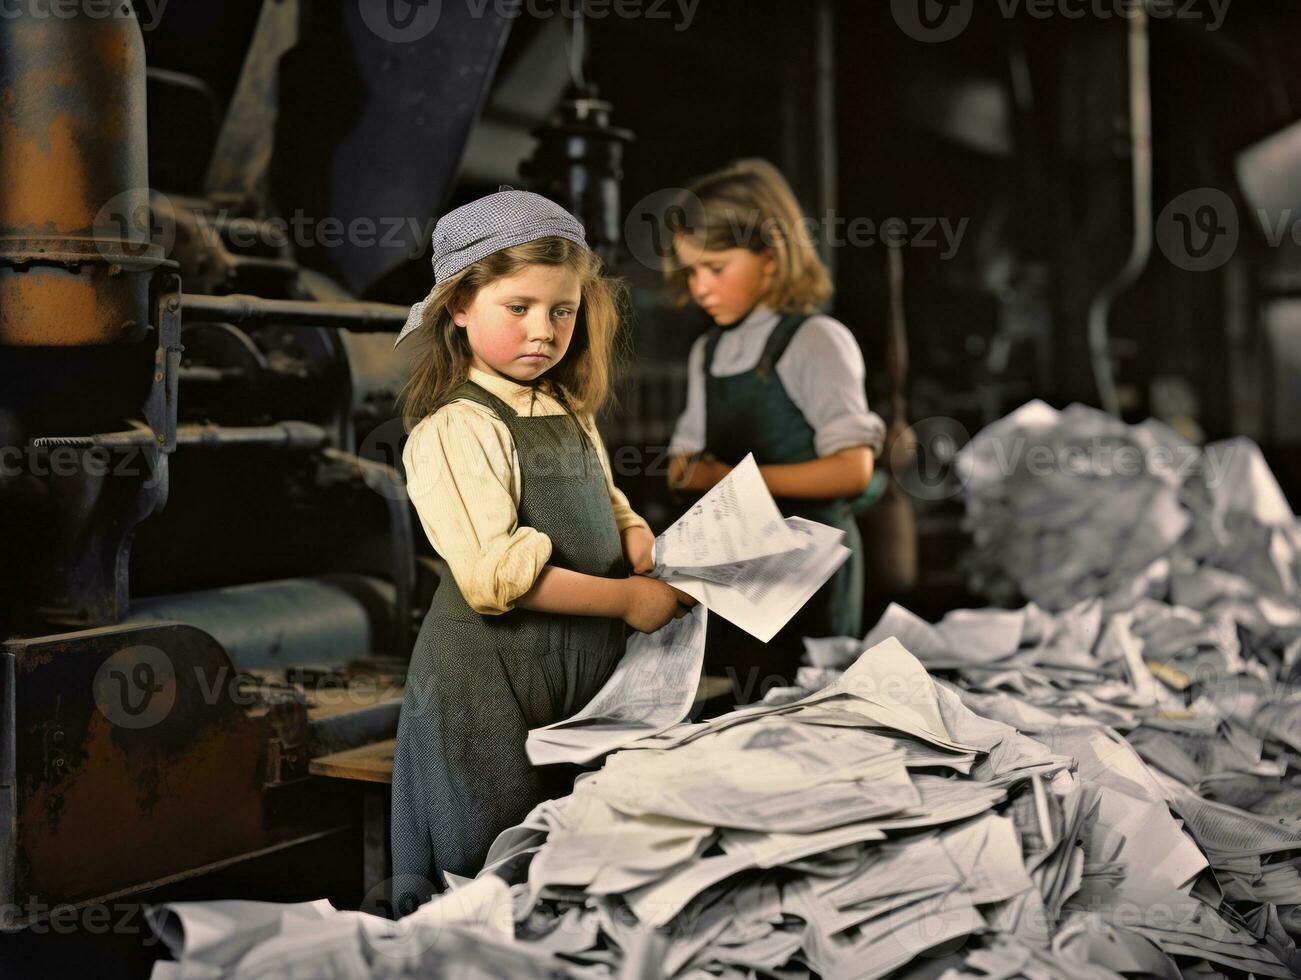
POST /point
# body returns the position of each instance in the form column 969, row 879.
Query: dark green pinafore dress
column 751, row 412
column 477, row 684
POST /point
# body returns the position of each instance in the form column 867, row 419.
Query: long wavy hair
column 441, row 361
column 749, row 204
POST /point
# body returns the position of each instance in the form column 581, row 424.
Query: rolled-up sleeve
column 463, row 478
column 823, row 372
column 624, row 516
column 689, row 434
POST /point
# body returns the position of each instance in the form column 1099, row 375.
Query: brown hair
column 749, row 204
column 441, row 362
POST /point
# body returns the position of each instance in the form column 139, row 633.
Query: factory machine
column 211, row 575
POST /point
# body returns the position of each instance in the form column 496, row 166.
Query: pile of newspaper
column 878, row 826
column 1072, row 505
column 1164, row 640
column 1103, row 782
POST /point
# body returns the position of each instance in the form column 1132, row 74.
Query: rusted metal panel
column 134, row 761
column 74, row 181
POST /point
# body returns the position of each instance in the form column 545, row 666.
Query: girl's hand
column 639, row 548
column 698, row 474
column 651, row 604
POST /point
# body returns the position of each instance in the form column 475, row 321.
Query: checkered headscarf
column 476, row 230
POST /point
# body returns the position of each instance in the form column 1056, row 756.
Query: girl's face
column 728, row 283
column 520, row 327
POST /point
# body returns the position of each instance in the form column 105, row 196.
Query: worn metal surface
column 256, row 311
column 135, row 755
column 81, row 771
column 75, row 241
column 579, row 163
column 277, row 624
column 282, row 397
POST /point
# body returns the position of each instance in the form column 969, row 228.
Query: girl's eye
column 563, row 312
column 517, row 309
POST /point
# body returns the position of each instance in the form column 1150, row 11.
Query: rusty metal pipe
column 302, row 436
column 254, row 311
column 75, row 244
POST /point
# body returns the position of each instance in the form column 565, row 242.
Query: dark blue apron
column 752, row 412
column 477, row 684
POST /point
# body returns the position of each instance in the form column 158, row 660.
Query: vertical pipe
column 74, row 183
column 1140, row 129
column 827, row 143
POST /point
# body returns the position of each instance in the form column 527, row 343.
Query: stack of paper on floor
column 1191, row 665
column 1104, row 782
column 876, row 820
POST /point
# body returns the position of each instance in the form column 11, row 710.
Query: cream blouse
column 463, row 477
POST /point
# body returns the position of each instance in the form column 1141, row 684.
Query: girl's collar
column 757, row 314
column 501, row 385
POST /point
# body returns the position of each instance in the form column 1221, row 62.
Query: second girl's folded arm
column 824, row 374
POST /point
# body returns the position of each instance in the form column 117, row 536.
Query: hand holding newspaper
column 735, row 521
column 650, row 691
column 735, row 554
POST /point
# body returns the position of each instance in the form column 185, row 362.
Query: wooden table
column 371, row 765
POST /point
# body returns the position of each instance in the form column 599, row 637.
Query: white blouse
column 822, row 370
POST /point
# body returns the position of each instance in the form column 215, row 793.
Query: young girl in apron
column 770, row 376
column 512, row 484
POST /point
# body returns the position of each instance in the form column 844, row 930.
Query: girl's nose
column 541, row 328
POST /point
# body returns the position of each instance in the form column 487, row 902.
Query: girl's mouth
column 535, row 358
